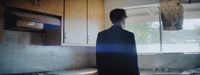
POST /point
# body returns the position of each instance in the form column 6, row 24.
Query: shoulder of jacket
column 104, row 31
column 129, row 32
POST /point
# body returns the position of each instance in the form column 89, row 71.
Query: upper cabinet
column 95, row 19
column 54, row 7
column 1, row 20
column 83, row 20
column 75, row 20
column 44, row 13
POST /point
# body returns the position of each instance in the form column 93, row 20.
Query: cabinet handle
column 37, row 2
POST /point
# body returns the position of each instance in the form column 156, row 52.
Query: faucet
column 164, row 67
column 161, row 68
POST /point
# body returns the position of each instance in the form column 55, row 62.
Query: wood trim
column 2, row 11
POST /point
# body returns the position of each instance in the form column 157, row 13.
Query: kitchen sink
column 171, row 73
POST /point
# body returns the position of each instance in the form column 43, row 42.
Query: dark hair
column 117, row 15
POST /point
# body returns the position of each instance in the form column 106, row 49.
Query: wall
column 174, row 61
column 18, row 55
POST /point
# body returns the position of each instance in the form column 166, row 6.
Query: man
column 115, row 48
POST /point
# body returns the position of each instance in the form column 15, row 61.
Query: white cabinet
column 95, row 19
column 75, row 20
column 83, row 20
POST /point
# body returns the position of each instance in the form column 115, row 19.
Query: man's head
column 118, row 16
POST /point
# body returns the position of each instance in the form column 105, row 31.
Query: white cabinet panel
column 75, row 29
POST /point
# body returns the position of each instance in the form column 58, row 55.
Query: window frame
column 160, row 31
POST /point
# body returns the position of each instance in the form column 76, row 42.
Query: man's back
column 116, row 52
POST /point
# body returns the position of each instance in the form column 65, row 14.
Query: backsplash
column 18, row 55
column 174, row 61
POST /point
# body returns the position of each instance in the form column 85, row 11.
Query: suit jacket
column 116, row 52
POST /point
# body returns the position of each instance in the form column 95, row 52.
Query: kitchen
column 72, row 51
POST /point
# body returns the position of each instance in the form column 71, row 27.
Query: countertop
column 151, row 72
column 93, row 71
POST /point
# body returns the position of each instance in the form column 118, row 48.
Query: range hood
column 25, row 21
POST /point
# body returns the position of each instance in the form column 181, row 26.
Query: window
column 147, row 36
column 144, row 23
column 185, row 40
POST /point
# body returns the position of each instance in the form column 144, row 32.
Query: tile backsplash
column 18, row 55
column 174, row 61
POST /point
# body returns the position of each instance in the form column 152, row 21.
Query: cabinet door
column 46, row 6
column 75, row 29
column 1, row 20
column 95, row 19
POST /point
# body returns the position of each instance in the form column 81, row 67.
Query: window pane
column 143, row 22
column 185, row 40
column 147, row 36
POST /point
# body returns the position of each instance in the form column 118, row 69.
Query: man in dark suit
column 115, row 48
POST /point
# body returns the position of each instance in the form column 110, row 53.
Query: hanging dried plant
column 171, row 14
